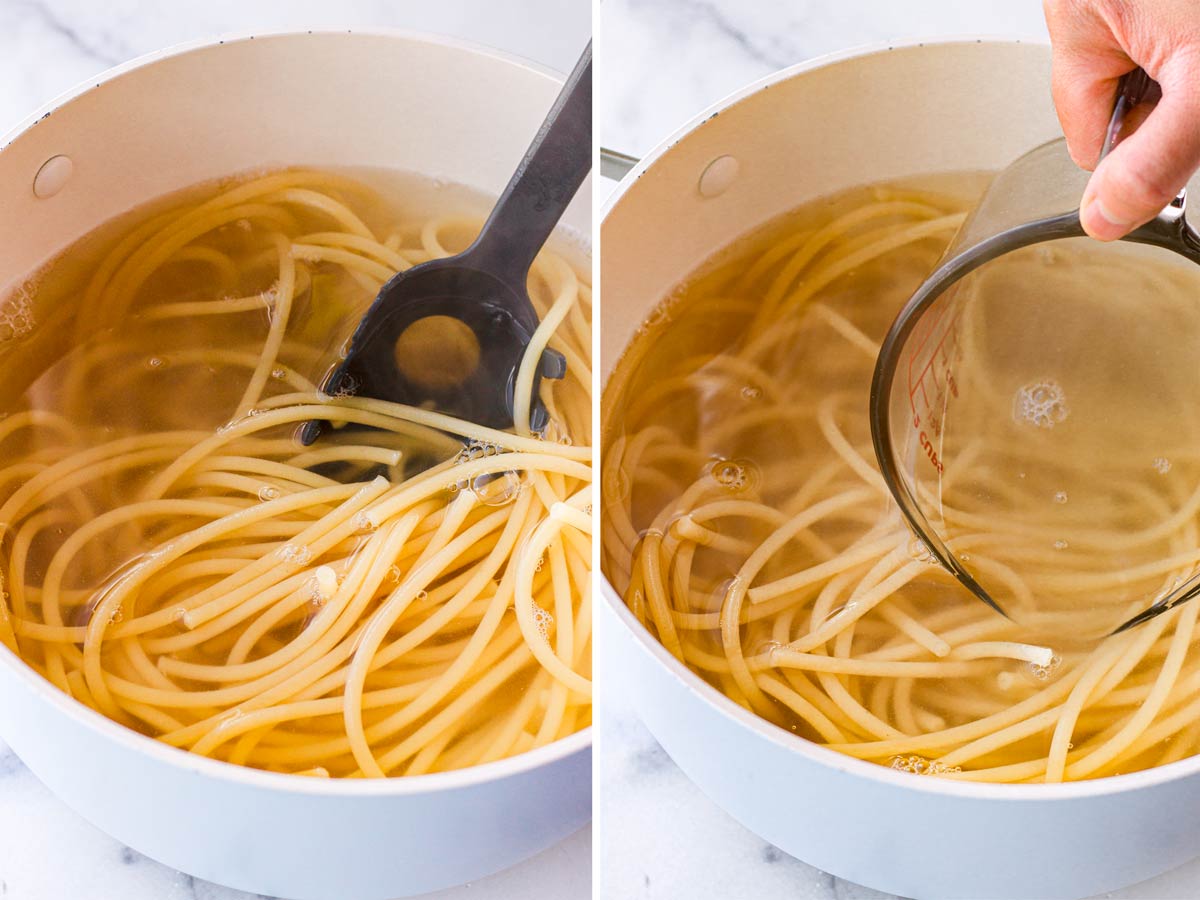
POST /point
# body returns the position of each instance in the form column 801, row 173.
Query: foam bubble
column 767, row 649
column 660, row 315
column 543, row 620
column 347, row 388
column 1162, row 465
column 1044, row 673
column 919, row 765
column 296, row 554
column 556, row 433
column 16, row 314
column 477, row 450
column 1040, row 403
column 921, row 553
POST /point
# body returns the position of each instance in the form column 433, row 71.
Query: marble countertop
column 665, row 61
column 47, row 46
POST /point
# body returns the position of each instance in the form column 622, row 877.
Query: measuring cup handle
column 1136, row 89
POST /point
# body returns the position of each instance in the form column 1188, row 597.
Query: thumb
column 1146, row 170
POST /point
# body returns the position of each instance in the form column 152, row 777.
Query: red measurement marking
column 927, row 446
column 930, row 366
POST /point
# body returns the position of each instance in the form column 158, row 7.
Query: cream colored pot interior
column 263, row 103
column 935, row 119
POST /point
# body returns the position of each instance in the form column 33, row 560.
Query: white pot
column 803, row 133
column 387, row 99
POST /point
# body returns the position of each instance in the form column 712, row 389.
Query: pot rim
column 737, row 715
column 241, row 37
column 183, row 760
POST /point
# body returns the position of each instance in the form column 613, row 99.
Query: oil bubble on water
column 556, row 433
column 920, row 552
column 734, row 474
column 497, row 488
column 767, row 649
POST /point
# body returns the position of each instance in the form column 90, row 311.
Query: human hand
column 1095, row 43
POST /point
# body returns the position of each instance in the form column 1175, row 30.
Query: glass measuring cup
column 1035, row 408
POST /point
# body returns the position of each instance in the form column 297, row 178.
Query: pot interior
column 811, row 132
column 393, row 101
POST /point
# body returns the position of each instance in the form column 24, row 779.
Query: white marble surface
column 667, row 60
column 664, row 61
column 47, row 46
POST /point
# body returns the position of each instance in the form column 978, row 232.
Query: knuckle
column 1182, row 69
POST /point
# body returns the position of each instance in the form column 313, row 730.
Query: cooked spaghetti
column 410, row 594
column 747, row 527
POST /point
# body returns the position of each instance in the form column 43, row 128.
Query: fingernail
column 1099, row 221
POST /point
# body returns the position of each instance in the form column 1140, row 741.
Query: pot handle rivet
column 718, row 176
column 52, row 177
